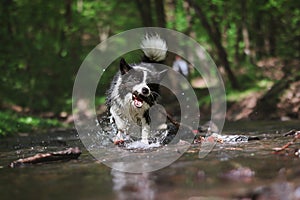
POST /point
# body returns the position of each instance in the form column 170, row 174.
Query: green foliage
column 180, row 16
column 11, row 123
column 259, row 85
column 43, row 43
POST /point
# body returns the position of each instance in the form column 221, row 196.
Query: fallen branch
column 68, row 154
column 284, row 147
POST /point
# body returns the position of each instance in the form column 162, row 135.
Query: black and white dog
column 135, row 89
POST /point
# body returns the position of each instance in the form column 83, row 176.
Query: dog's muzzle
column 139, row 98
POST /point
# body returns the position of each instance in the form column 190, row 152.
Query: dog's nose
column 145, row 91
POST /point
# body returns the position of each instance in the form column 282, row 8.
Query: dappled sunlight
column 239, row 62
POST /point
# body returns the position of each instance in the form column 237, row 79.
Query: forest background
column 255, row 44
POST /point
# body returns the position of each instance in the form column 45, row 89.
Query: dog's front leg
column 145, row 131
column 120, row 125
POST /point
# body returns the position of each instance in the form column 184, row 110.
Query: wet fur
column 129, row 87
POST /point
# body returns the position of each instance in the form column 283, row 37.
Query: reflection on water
column 132, row 186
column 230, row 171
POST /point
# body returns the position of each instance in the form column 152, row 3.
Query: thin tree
column 144, row 7
column 160, row 13
column 215, row 35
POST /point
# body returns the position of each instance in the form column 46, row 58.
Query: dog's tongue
column 138, row 103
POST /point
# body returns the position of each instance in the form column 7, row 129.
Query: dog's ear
column 162, row 74
column 124, row 67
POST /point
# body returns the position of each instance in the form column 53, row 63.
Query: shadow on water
column 230, row 171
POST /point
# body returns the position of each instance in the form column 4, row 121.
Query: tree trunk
column 189, row 19
column 160, row 13
column 68, row 13
column 6, row 17
column 237, row 55
column 272, row 29
column 215, row 35
column 248, row 50
column 144, row 7
column 258, row 38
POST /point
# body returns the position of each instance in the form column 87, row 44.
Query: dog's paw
column 119, row 142
column 119, row 138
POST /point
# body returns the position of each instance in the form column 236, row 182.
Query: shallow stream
column 230, row 171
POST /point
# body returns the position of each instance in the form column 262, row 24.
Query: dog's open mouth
column 137, row 100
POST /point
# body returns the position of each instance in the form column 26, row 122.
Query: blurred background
column 255, row 44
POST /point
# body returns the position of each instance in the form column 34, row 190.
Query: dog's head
column 141, row 82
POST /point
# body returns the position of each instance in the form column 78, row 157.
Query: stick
column 68, row 154
column 296, row 137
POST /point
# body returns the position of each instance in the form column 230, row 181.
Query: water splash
column 106, row 132
column 142, row 145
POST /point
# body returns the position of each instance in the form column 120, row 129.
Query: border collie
column 135, row 89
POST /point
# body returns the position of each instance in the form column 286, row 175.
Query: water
column 230, row 171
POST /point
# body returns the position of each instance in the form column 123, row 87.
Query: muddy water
column 230, row 171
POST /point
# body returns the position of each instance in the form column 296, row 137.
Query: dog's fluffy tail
column 154, row 48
